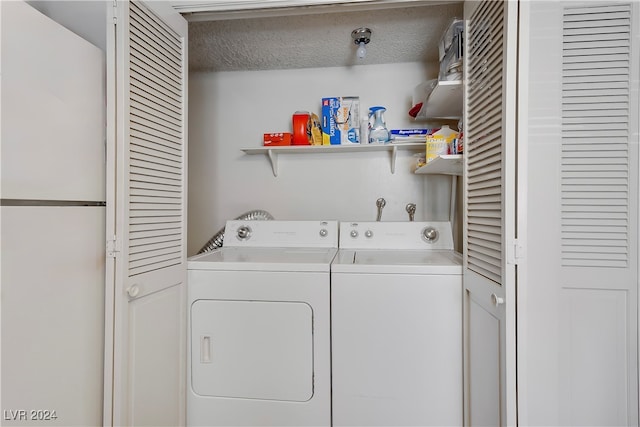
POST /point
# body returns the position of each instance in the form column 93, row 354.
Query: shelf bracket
column 273, row 158
column 394, row 154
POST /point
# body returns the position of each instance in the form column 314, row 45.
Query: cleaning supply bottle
column 364, row 130
column 439, row 142
column 378, row 132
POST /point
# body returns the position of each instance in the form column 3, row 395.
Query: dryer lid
column 264, row 259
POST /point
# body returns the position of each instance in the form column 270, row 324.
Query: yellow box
column 438, row 144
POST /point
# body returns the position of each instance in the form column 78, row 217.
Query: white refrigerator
column 52, row 244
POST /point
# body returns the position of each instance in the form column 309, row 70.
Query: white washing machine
column 259, row 326
column 396, row 325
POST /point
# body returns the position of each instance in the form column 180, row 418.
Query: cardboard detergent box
column 277, row 139
column 341, row 120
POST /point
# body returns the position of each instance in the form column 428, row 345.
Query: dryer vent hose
column 217, row 240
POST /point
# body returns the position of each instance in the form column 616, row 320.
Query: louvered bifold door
column 150, row 216
column 595, row 136
column 598, row 287
column 489, row 226
column 485, row 140
column 156, row 164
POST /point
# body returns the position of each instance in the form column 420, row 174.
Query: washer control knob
column 430, row 234
column 323, row 232
column 244, row 232
column 354, row 233
column 368, row 234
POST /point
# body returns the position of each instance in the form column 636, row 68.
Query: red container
column 277, row 139
column 301, row 128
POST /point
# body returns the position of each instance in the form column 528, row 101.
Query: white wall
column 232, row 110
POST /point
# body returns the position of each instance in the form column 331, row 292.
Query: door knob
column 496, row 300
column 133, row 291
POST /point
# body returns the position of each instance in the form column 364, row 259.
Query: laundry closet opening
column 250, row 71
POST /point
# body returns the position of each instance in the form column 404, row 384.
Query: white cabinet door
column 578, row 321
column 146, row 221
column 489, row 227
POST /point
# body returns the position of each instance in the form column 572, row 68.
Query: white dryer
column 396, row 325
column 259, row 323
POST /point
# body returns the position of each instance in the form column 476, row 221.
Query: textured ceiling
column 409, row 34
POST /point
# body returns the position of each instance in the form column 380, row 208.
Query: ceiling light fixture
column 361, row 36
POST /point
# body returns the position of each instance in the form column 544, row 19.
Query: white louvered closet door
column 581, row 293
column 599, row 214
column 489, row 226
column 146, row 314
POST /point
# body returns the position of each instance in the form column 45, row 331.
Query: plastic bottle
column 364, row 131
column 378, row 132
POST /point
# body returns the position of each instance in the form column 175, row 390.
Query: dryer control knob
column 354, row 233
column 244, row 232
column 368, row 234
column 323, row 232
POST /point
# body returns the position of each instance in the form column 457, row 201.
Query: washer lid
column 264, row 259
column 398, row 262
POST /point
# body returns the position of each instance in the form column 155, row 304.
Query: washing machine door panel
column 252, row 349
column 396, row 350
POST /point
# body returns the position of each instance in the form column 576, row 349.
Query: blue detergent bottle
column 378, row 132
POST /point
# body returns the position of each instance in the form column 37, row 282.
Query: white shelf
column 444, row 101
column 448, row 164
column 273, row 153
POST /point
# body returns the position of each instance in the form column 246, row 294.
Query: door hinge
column 514, row 254
column 113, row 247
column 115, row 12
